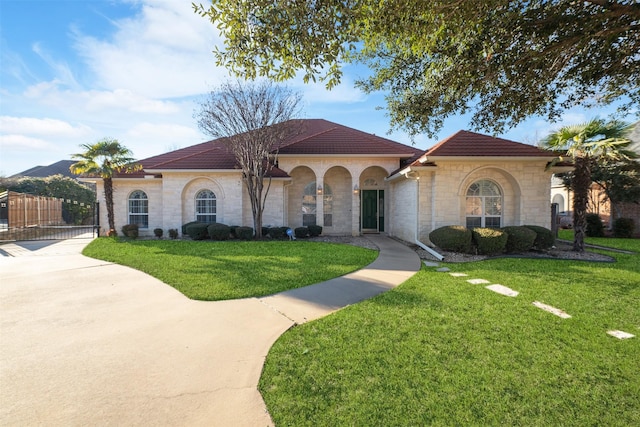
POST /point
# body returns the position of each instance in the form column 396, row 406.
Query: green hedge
column 244, row 233
column 130, row 230
column 315, row 230
column 623, row 227
column 197, row 230
column 454, row 238
column 277, row 232
column 520, row 239
column 489, row 241
column 218, row 231
column 184, row 226
column 544, row 237
column 301, row 232
column 595, row 227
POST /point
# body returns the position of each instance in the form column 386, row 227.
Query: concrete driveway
column 87, row 342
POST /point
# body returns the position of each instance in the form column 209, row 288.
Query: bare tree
column 252, row 119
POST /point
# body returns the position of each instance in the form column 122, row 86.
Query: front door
column 372, row 211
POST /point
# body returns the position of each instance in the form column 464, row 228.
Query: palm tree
column 103, row 159
column 584, row 144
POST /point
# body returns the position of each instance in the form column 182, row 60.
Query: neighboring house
column 58, row 168
column 349, row 182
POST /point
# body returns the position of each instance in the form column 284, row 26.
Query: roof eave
column 489, row 158
column 402, row 173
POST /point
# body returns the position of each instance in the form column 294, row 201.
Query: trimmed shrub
column 219, row 231
column 544, row 237
column 232, row 231
column 158, row 232
column 595, row 227
column 173, row 233
column 489, row 241
column 244, row 233
column 197, row 230
column 265, row 231
column 130, row 230
column 623, row 227
column 454, row 238
column 520, row 239
column 301, row 232
column 277, row 232
column 184, row 226
column 315, row 230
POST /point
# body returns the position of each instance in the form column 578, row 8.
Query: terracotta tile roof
column 317, row 136
column 470, row 144
column 321, row 137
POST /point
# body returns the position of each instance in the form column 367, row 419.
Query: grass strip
column 440, row 351
column 207, row 270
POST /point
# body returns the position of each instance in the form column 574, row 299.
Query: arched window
column 139, row 209
column 206, row 208
column 484, row 205
column 309, row 205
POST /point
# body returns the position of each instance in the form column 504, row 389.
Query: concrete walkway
column 87, row 342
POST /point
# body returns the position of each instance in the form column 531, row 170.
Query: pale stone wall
column 402, row 209
column 339, row 180
column 121, row 191
column 441, row 195
column 525, row 186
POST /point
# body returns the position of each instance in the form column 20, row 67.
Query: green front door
column 372, row 211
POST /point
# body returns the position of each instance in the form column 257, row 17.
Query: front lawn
column 206, row 270
column 440, row 351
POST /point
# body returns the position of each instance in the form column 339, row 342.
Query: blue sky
column 76, row 71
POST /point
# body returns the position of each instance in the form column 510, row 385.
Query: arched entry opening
column 372, row 200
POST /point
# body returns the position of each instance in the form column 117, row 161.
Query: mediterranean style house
column 347, row 181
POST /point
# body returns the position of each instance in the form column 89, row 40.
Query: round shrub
column 265, row 231
column 544, row 237
column 173, row 233
column 219, row 231
column 301, row 232
column 232, row 230
column 520, row 239
column 595, row 228
column 130, row 230
column 315, row 230
column 184, row 226
column 277, row 232
column 197, row 230
column 623, row 227
column 158, row 232
column 244, row 233
column 454, row 238
column 489, row 241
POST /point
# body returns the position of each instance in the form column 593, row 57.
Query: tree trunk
column 108, row 196
column 581, row 184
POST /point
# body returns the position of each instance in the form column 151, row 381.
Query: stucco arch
column 301, row 177
column 337, row 205
column 189, row 192
column 509, row 185
column 376, row 173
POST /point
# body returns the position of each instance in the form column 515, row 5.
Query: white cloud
column 164, row 51
column 35, row 126
column 22, row 143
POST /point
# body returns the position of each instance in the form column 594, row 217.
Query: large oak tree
column 502, row 60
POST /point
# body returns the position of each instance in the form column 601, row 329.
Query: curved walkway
column 87, row 342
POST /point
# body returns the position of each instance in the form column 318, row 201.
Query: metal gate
column 29, row 217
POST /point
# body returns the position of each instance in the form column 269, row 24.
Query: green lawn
column 624, row 244
column 206, row 270
column 440, row 351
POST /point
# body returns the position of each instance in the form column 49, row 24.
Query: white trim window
column 484, row 205
column 206, row 206
column 139, row 209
